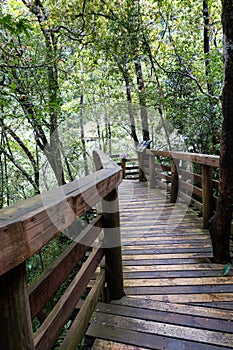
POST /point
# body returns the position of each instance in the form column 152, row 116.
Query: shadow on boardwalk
column 175, row 297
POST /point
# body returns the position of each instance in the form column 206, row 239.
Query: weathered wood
column 191, row 200
column 194, row 298
column 184, row 309
column 175, row 181
column 166, row 316
column 100, row 344
column 202, row 281
column 123, row 166
column 51, row 327
column 140, row 166
column 80, row 323
column 204, row 159
column 191, row 189
column 152, row 175
column 112, row 244
column 155, row 335
column 48, row 283
column 22, row 236
column 112, row 238
column 15, row 319
column 187, row 175
column 207, row 194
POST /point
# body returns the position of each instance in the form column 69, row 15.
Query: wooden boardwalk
column 176, row 298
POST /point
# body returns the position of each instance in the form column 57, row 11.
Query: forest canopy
column 76, row 75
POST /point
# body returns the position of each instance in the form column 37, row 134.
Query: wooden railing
column 175, row 171
column 28, row 226
column 129, row 166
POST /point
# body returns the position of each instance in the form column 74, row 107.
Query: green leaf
column 226, row 269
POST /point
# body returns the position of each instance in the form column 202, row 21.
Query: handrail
column 27, row 226
column 203, row 159
column 196, row 188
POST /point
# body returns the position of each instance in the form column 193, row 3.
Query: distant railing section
column 129, row 166
column 187, row 175
column 26, row 227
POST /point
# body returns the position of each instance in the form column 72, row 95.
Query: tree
column 221, row 226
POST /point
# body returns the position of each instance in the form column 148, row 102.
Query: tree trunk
column 221, row 226
column 212, row 103
column 130, row 109
column 84, row 150
column 142, row 100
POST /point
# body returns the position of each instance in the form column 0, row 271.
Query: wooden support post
column 175, row 181
column 15, row 317
column 207, row 194
column 123, row 165
column 112, row 246
column 140, row 166
column 152, row 171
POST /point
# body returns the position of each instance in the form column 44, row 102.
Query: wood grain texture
column 176, row 298
column 26, row 227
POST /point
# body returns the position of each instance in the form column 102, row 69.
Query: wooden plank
column 164, row 256
column 80, row 323
column 51, row 327
column 202, row 281
column 48, row 283
column 191, row 176
column 190, row 289
column 204, row 159
column 205, row 336
column 172, row 274
column 25, row 231
column 146, row 339
column 160, row 251
column 178, row 267
column 176, row 308
column 165, row 316
column 190, row 188
column 134, row 262
column 200, row 298
column 100, row 344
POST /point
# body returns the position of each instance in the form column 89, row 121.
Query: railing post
column 112, row 241
column 207, row 194
column 15, row 320
column 112, row 246
column 175, row 181
column 140, row 166
column 123, row 166
column 152, row 171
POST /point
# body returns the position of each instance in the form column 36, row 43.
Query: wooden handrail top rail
column 28, row 225
column 203, row 159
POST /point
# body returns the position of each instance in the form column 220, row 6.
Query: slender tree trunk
column 221, row 224
column 84, row 150
column 142, row 100
column 51, row 150
column 212, row 103
column 96, row 118
column 130, row 109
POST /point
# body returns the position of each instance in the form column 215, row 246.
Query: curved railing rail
column 172, row 171
column 29, row 225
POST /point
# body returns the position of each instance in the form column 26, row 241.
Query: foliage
column 54, row 51
column 226, row 269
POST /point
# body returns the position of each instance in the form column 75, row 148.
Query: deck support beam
column 207, row 195
column 152, row 171
column 175, row 180
column 15, row 318
column 112, row 246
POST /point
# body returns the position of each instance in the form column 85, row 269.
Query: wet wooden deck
column 176, row 298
